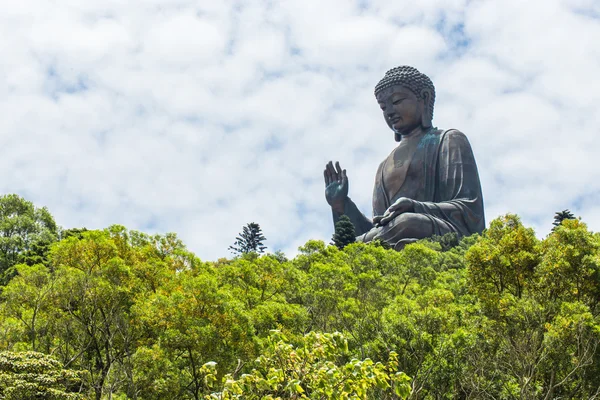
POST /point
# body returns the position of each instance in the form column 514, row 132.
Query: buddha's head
column 406, row 98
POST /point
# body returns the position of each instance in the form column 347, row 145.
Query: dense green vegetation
column 119, row 314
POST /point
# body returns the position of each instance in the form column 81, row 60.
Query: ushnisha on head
column 406, row 82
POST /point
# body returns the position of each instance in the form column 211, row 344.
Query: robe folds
column 443, row 183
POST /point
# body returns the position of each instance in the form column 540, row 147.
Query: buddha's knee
column 403, row 242
column 406, row 226
column 369, row 236
column 407, row 219
column 415, row 225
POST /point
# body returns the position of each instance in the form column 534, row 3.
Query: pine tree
column 250, row 240
column 560, row 216
column 344, row 232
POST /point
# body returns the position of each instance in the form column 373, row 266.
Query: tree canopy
column 26, row 233
column 249, row 240
column 560, row 216
column 37, row 376
column 344, row 232
column 116, row 313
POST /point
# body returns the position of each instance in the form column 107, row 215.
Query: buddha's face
column 401, row 108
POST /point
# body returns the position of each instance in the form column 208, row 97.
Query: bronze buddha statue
column 428, row 185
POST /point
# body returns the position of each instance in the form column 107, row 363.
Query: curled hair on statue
column 415, row 81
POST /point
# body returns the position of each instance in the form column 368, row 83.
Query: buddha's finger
column 331, row 171
column 383, row 221
column 338, row 170
column 394, row 207
column 384, row 216
column 334, row 173
column 327, row 172
column 344, row 177
column 387, row 218
column 326, row 176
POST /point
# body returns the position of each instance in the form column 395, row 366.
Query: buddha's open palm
column 336, row 185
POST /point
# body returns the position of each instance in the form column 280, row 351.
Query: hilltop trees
column 250, row 240
column 127, row 315
column 26, row 233
column 344, row 232
column 37, row 376
column 503, row 260
column 560, row 216
column 540, row 300
column 315, row 369
column 81, row 305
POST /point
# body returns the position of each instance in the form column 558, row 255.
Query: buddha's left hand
column 401, row 206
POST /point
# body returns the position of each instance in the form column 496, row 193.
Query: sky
column 197, row 117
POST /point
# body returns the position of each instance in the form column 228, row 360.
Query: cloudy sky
column 197, row 117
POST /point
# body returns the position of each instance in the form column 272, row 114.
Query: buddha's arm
column 361, row 223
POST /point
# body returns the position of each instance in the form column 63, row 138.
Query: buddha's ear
column 426, row 116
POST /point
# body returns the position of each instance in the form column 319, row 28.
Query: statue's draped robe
column 443, row 182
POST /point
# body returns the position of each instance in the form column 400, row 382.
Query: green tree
column 570, row 265
column 328, row 286
column 95, row 286
column 77, row 232
column 26, row 233
column 250, row 240
column 28, row 304
column 79, row 307
column 560, row 216
column 189, row 321
column 344, row 232
column 314, row 369
column 503, row 260
column 446, row 241
column 498, row 315
column 36, row 376
column 539, row 332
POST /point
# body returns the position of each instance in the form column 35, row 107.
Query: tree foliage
column 37, row 376
column 250, row 240
column 26, row 233
column 500, row 315
column 314, row 369
column 344, row 232
column 560, row 216
column 446, row 241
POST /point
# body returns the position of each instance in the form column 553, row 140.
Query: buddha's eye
column 398, row 101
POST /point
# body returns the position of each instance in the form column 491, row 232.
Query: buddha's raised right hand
column 336, row 186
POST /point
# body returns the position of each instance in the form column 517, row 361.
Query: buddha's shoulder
column 381, row 164
column 452, row 132
column 453, row 136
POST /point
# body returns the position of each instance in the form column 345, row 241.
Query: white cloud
column 200, row 117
